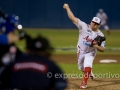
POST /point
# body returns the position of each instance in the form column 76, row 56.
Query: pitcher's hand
column 65, row 6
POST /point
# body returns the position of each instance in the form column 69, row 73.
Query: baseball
column 65, row 5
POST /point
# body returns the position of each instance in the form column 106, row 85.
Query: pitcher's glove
column 98, row 40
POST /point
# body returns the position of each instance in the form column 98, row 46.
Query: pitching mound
column 98, row 83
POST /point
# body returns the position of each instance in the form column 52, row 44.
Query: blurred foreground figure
column 9, row 35
column 35, row 70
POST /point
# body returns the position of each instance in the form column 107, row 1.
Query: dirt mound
column 98, row 83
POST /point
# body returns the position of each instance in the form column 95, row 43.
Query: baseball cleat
column 92, row 76
column 83, row 85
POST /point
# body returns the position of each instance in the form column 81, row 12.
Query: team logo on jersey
column 87, row 41
column 34, row 66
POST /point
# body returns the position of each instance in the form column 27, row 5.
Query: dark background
column 50, row 13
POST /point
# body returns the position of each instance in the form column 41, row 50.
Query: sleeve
column 80, row 24
column 3, row 39
column 103, row 44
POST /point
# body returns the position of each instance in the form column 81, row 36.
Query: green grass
column 100, row 70
column 60, row 38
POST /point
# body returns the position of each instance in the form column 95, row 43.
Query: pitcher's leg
column 88, row 60
column 80, row 57
column 81, row 63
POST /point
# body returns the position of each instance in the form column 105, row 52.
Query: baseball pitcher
column 90, row 40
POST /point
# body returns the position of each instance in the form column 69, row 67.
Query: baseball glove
column 98, row 40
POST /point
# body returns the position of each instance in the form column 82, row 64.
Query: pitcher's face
column 94, row 26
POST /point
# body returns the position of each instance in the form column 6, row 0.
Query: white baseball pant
column 85, row 59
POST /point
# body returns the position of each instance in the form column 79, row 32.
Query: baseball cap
column 6, row 26
column 96, row 20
